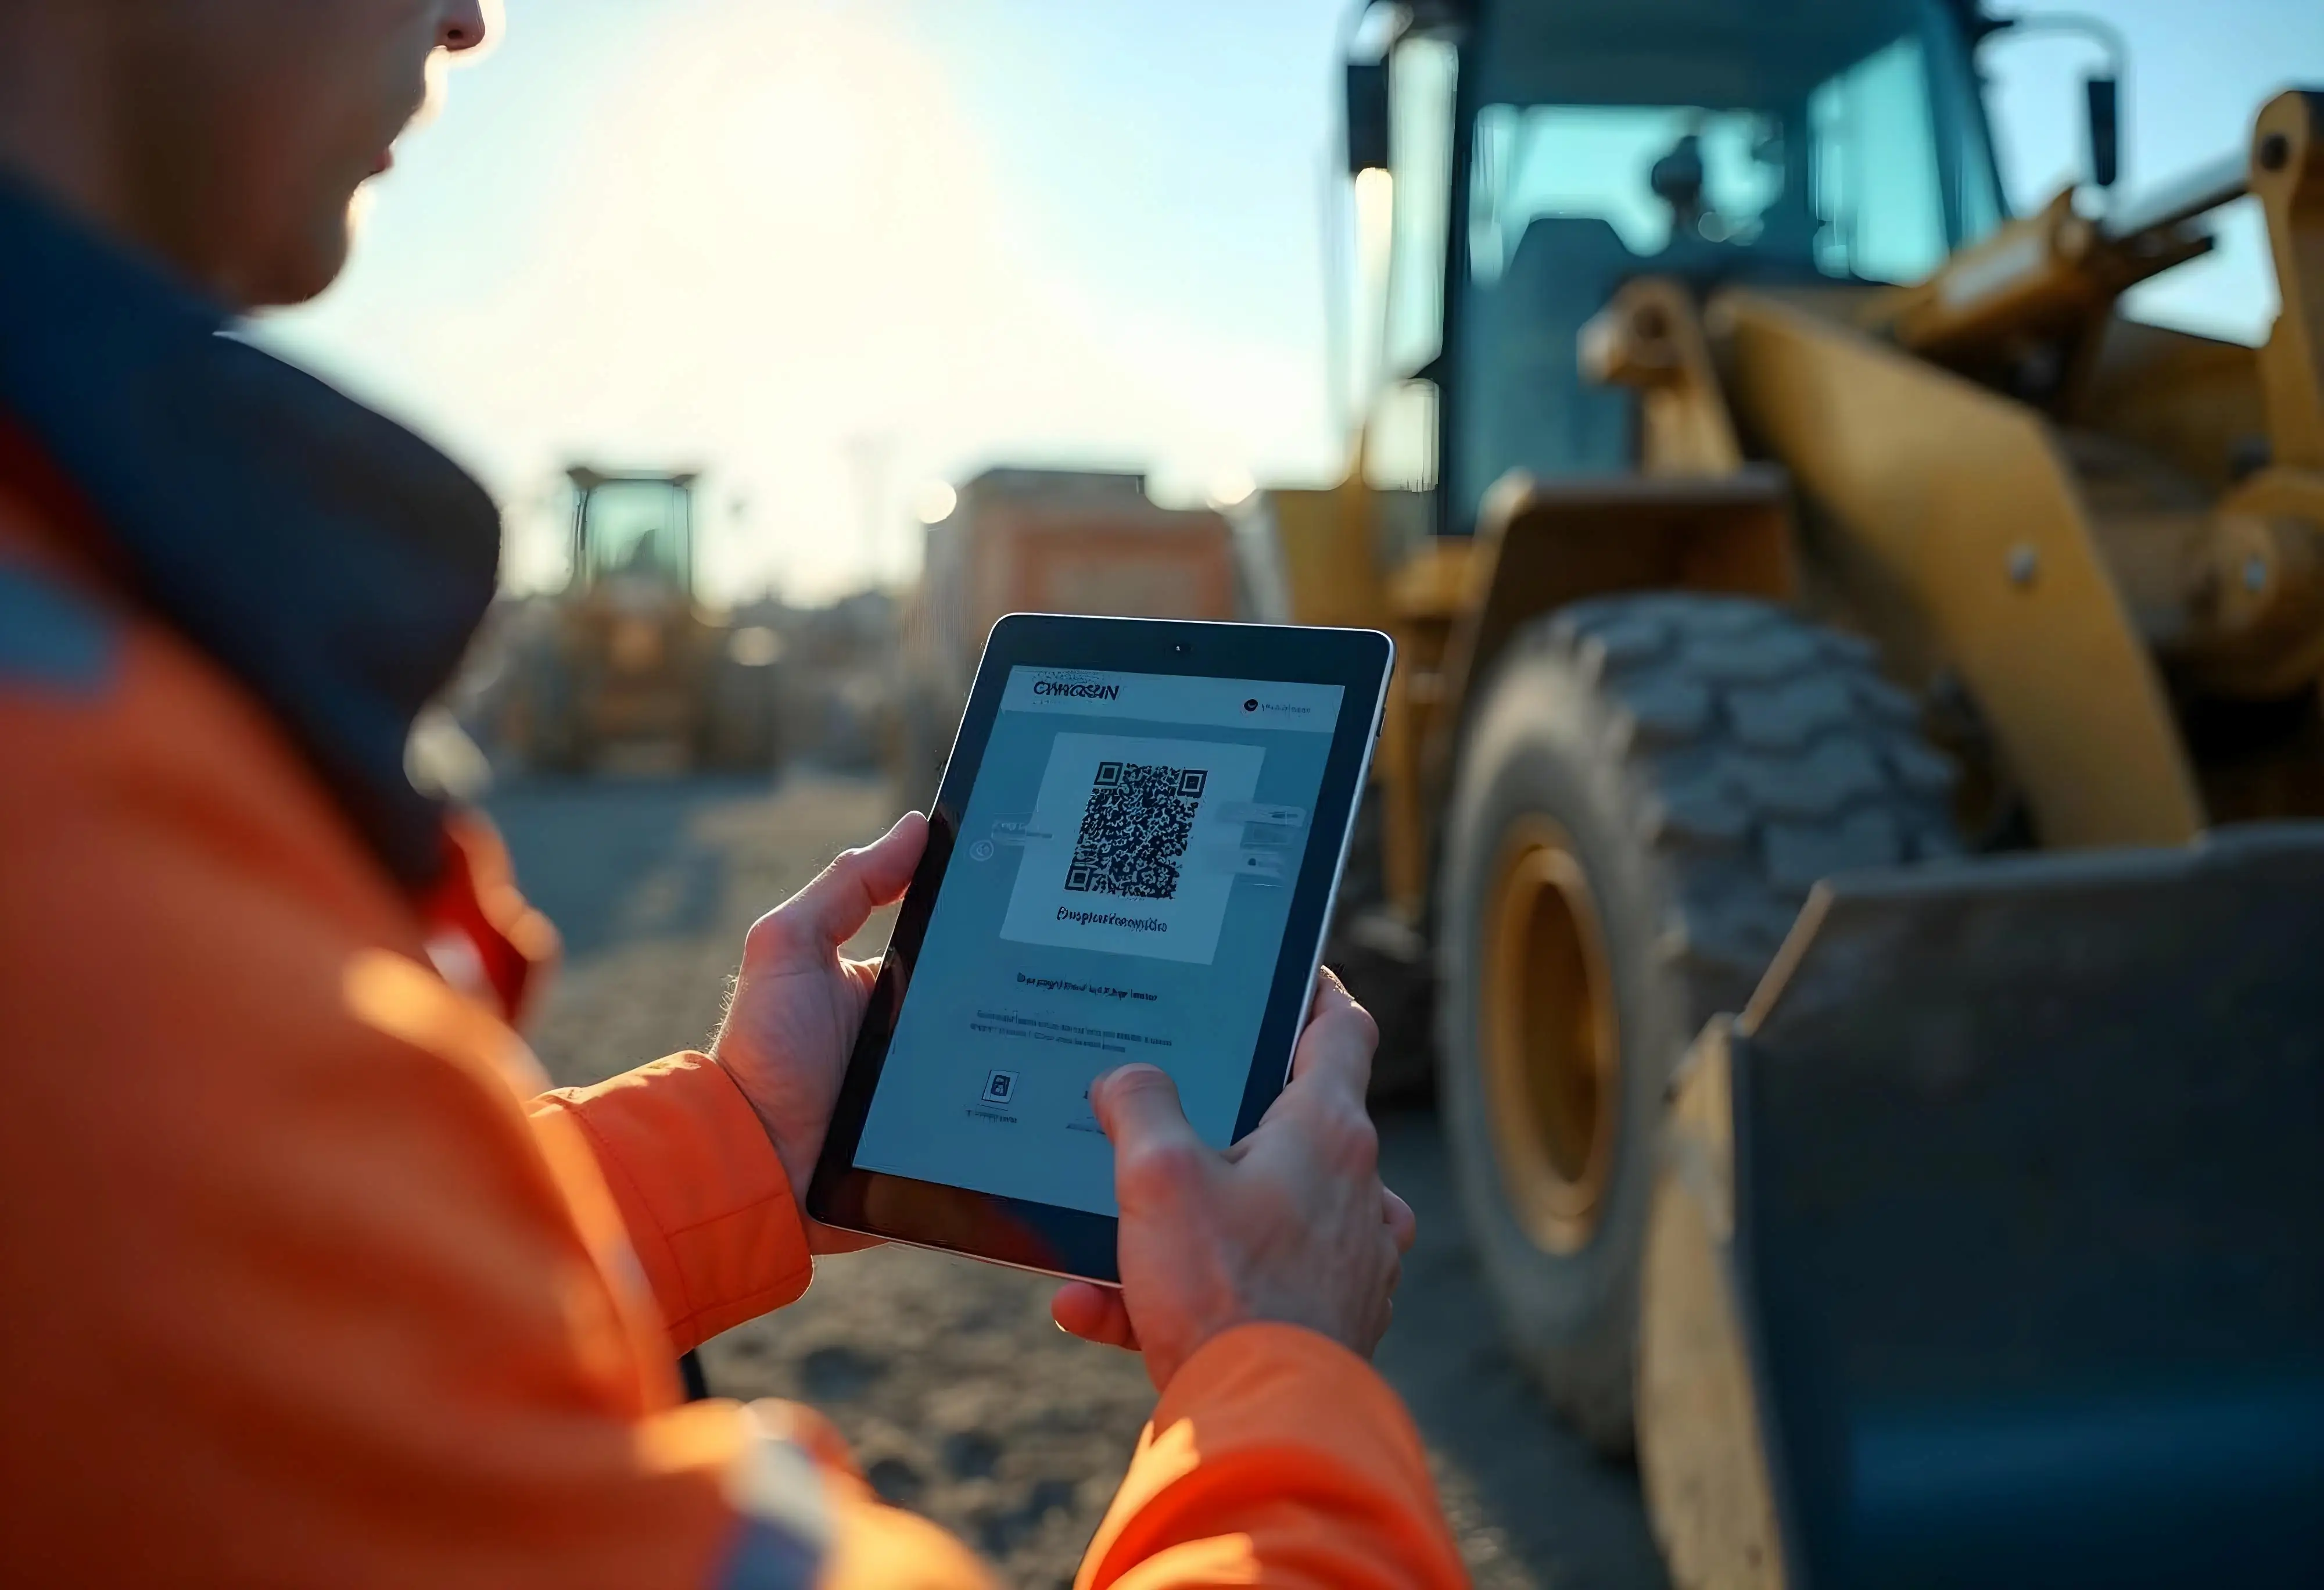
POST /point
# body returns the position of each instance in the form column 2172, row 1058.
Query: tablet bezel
column 1048, row 1237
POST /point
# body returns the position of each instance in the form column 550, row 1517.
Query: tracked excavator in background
column 1855, row 779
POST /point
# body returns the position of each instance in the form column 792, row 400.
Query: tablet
column 1132, row 856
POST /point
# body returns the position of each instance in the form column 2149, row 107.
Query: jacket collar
column 330, row 561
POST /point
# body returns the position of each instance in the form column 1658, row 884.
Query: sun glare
column 934, row 501
column 756, row 240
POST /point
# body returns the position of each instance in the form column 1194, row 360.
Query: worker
column 306, row 1277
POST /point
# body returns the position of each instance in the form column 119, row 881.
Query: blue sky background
column 833, row 249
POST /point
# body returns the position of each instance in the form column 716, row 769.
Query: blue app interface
column 1119, row 892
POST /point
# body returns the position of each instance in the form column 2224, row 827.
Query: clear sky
column 831, row 249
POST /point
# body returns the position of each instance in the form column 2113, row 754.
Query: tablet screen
column 1118, row 891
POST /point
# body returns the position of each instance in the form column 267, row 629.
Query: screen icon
column 999, row 1087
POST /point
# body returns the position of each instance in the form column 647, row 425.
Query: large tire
column 552, row 730
column 738, row 731
column 1646, row 790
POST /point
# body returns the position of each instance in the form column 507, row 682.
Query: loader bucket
column 2029, row 1220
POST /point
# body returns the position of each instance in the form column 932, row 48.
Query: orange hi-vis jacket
column 306, row 1279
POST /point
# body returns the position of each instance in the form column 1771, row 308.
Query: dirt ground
column 960, row 1397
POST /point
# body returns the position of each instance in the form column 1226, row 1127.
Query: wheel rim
column 1550, row 1044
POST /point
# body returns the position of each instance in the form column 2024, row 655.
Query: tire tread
column 1740, row 753
column 1761, row 736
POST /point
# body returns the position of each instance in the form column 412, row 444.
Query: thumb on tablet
column 838, row 901
column 1138, row 1107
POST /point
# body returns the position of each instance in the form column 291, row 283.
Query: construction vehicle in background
column 1042, row 540
column 628, row 654
column 1755, row 501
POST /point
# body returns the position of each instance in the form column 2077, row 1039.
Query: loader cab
column 633, row 532
column 1516, row 161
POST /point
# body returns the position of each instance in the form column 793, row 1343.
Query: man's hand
column 1290, row 1225
column 797, row 1003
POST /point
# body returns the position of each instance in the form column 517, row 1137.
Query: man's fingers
column 1138, row 1107
column 1094, row 1314
column 1402, row 1223
column 834, row 908
column 822, row 1239
column 1336, row 1049
column 1330, row 992
column 1155, row 1151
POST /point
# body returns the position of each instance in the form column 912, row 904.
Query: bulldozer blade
column 2029, row 1219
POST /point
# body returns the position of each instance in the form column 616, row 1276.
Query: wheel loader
column 1853, row 781
column 627, row 654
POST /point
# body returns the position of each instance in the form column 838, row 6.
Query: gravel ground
column 962, row 1399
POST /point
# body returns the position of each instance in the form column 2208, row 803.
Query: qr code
column 1134, row 834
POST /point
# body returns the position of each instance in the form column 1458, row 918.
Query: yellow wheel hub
column 1551, row 1046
